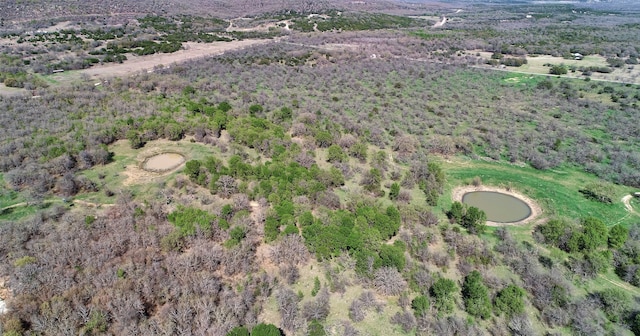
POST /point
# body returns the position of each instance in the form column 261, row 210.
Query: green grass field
column 556, row 191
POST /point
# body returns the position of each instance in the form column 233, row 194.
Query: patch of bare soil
column 12, row 92
column 192, row 50
column 91, row 204
column 627, row 204
column 163, row 162
column 459, row 192
column 136, row 173
column 440, row 23
column 4, row 294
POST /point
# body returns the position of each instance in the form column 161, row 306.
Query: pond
column 163, row 162
column 499, row 207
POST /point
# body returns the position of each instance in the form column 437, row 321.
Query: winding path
column 627, row 204
column 81, row 202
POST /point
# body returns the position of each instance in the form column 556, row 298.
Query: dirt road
column 627, row 204
column 192, row 50
column 440, row 23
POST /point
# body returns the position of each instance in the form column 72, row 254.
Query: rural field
column 319, row 168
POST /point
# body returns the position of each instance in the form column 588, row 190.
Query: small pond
column 499, row 207
column 163, row 162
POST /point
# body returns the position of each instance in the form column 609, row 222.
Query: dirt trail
column 621, row 284
column 81, row 202
column 192, row 50
column 440, row 23
column 91, row 204
column 627, row 204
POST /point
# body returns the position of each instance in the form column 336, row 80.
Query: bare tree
column 405, row 320
column 291, row 250
column 288, row 307
column 389, row 281
column 317, row 309
column 226, row 186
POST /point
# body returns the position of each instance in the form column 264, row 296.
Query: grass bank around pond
column 555, row 190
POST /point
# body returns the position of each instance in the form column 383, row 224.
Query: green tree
column 316, row 329
column 324, row 139
column 359, row 151
column 443, row 291
column 316, row 286
column 554, row 231
column 186, row 219
column 239, row 331
column 635, row 326
column 510, row 300
column 271, row 229
column 595, row 233
column 558, row 70
column 476, row 296
column 265, row 330
column 457, row 212
column 420, row 305
column 192, row 169
column 335, row 154
column 474, row 220
column 135, row 140
column 371, row 180
column 255, row 109
column 615, row 302
column 618, row 236
column 394, row 191
column 283, row 114
column 392, row 255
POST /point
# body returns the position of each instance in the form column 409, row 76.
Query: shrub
column 618, row 235
column 443, row 291
column 615, row 302
column 265, row 330
column 420, row 305
column 238, row 331
column 335, row 154
column 474, row 220
column 510, row 300
column 476, row 296
column 186, row 219
column 558, row 70
column 595, row 233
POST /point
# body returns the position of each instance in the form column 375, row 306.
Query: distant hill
column 17, row 10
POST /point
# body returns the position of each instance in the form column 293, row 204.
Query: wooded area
column 314, row 197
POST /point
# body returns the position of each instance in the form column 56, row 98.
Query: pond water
column 499, row 207
column 163, row 162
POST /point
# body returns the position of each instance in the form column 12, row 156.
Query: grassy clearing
column 8, row 197
column 124, row 171
column 556, row 191
column 12, row 214
column 536, row 66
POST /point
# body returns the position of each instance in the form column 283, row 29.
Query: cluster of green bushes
column 475, row 295
column 361, row 233
column 62, row 36
column 471, row 218
column 354, row 21
column 138, row 47
column 261, row 329
column 275, row 180
column 192, row 29
column 253, row 132
column 589, row 243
